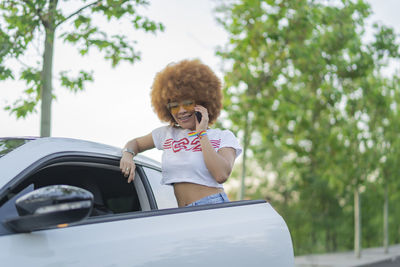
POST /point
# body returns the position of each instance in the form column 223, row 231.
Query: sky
column 116, row 106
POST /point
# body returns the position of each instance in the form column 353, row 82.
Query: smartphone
column 198, row 115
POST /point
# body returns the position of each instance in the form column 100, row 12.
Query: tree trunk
column 327, row 240
column 245, row 144
column 357, row 223
column 47, row 72
column 334, row 242
column 386, row 221
column 313, row 238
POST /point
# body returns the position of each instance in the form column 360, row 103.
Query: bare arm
column 137, row 145
column 219, row 163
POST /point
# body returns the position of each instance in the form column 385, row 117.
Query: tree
column 299, row 76
column 385, row 118
column 24, row 21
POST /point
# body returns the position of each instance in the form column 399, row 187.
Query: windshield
column 9, row 144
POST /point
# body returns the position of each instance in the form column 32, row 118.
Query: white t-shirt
column 182, row 159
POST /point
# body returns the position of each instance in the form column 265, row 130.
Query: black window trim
column 162, row 212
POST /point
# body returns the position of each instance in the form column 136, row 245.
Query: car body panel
column 255, row 235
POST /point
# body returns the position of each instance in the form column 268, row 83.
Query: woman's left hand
column 203, row 125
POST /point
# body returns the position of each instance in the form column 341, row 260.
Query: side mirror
column 51, row 206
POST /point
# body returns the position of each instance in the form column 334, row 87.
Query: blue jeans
column 212, row 199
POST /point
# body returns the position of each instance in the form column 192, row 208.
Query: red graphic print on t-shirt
column 186, row 145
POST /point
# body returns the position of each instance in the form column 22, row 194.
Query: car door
column 229, row 234
column 178, row 237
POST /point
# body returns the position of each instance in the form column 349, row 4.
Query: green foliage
column 26, row 105
column 24, row 21
column 76, row 84
column 22, row 107
column 5, row 73
column 319, row 109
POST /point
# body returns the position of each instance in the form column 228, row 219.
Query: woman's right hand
column 140, row 144
column 127, row 166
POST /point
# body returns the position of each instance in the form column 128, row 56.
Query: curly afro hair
column 187, row 79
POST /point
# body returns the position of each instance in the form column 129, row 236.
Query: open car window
column 112, row 194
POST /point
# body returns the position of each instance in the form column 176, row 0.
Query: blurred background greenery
column 318, row 112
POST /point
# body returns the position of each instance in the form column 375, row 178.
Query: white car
column 64, row 202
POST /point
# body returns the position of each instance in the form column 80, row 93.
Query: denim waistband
column 211, row 199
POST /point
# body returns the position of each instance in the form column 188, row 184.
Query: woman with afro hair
column 196, row 160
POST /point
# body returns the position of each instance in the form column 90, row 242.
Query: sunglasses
column 174, row 107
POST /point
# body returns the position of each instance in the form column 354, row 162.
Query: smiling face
column 186, row 79
column 183, row 113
